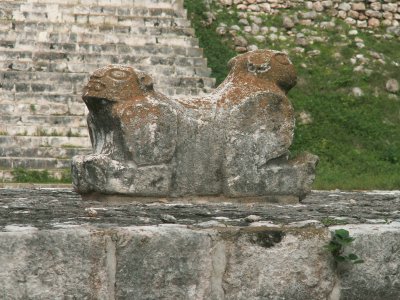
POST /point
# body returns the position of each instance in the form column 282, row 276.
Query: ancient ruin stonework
column 233, row 142
column 362, row 14
column 48, row 48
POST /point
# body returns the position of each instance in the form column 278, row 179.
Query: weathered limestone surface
column 54, row 245
column 233, row 142
column 379, row 275
column 57, row 264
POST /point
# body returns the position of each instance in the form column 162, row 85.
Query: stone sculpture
column 233, row 142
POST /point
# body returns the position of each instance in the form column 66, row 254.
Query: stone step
column 43, row 31
column 27, row 86
column 42, row 130
column 37, row 120
column 43, row 152
column 34, row 163
column 47, row 108
column 56, row 77
column 57, row 11
column 68, row 88
column 44, row 141
column 41, row 103
column 162, row 4
column 27, row 40
column 119, row 48
column 6, row 175
column 41, row 59
column 28, row 21
column 97, row 23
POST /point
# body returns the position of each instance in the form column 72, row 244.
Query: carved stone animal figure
column 259, row 122
column 232, row 142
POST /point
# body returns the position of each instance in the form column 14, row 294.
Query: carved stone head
column 273, row 67
column 116, row 83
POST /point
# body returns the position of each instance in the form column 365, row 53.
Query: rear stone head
column 116, row 83
column 273, row 67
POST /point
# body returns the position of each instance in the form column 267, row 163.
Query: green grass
column 357, row 139
column 22, row 175
column 216, row 50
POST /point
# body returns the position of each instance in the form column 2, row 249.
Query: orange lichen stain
column 195, row 103
column 253, row 72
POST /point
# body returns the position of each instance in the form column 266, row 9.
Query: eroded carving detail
column 232, row 142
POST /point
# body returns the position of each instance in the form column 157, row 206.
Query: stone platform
column 54, row 245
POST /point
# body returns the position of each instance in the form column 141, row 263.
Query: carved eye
column 282, row 59
column 119, row 74
column 97, row 86
column 251, row 68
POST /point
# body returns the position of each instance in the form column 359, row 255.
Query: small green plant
column 24, row 133
column 39, row 176
column 340, row 239
column 331, row 221
column 54, row 133
column 217, row 50
column 72, row 134
column 32, row 108
column 3, row 133
column 40, row 132
column 66, row 146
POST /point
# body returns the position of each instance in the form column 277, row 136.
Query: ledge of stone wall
column 54, row 245
column 371, row 13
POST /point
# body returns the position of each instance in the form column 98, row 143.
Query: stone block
column 40, row 264
column 377, row 278
column 353, row 14
column 358, row 6
column 212, row 264
column 390, row 7
column 373, row 22
column 373, row 14
column 387, row 15
column 344, row 6
column 275, row 249
column 376, row 6
column 187, row 269
column 96, row 20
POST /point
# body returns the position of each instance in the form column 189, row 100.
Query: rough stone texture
column 184, row 269
column 355, row 9
column 54, row 245
column 392, row 85
column 379, row 276
column 48, row 208
column 233, row 142
column 259, row 262
column 55, row 264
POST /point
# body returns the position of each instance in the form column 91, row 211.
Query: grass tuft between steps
column 22, row 175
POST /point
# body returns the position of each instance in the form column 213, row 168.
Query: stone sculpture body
column 232, row 142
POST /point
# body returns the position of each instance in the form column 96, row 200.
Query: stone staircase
column 47, row 50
